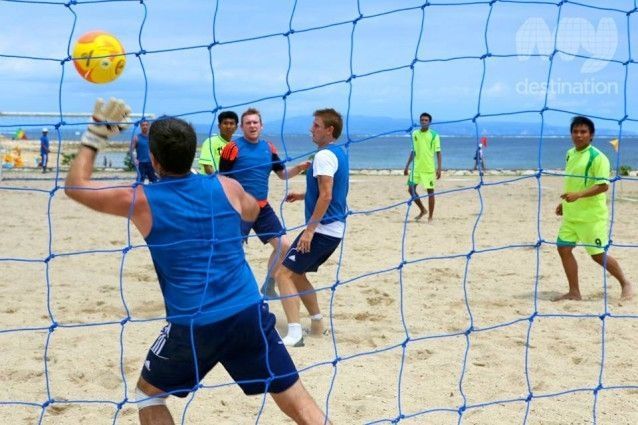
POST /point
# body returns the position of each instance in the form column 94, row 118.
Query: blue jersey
column 44, row 145
column 338, row 206
column 196, row 246
column 142, row 148
column 250, row 164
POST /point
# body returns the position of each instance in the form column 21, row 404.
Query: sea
column 391, row 152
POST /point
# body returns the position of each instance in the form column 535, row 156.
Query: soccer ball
column 99, row 57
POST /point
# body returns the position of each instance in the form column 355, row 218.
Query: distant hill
column 365, row 125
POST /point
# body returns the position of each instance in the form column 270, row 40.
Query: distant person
column 479, row 158
column 141, row 151
column 249, row 160
column 44, row 149
column 212, row 147
column 584, row 209
column 325, row 198
column 426, row 144
column 214, row 311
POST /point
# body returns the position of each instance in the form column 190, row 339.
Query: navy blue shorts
column 267, row 226
column 145, row 171
column 237, row 342
column 321, row 248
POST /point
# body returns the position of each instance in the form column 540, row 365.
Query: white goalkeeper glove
column 108, row 120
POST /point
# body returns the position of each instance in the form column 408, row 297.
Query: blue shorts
column 238, row 343
column 267, row 226
column 145, row 171
column 321, row 248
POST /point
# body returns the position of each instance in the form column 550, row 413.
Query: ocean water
column 457, row 152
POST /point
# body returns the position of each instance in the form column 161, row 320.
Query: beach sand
column 428, row 319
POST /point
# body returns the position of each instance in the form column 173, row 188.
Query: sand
column 446, row 332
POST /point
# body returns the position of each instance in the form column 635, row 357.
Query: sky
column 251, row 59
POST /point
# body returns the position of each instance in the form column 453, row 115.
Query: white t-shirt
column 326, row 163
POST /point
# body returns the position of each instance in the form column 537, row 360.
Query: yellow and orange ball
column 99, row 57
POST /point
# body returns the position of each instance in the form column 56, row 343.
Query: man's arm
column 406, row 171
column 80, row 188
column 206, row 157
column 323, row 202
column 288, row 173
column 592, row 191
column 228, row 157
column 243, row 202
column 439, row 161
column 108, row 120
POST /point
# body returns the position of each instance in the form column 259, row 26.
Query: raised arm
column 106, row 198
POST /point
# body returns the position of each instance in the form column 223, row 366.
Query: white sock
column 317, row 316
column 294, row 331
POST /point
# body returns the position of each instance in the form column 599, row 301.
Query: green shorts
column 424, row 179
column 592, row 235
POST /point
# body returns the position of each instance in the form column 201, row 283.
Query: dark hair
column 581, row 120
column 425, row 114
column 228, row 115
column 331, row 118
column 173, row 142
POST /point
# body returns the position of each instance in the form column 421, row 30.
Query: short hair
column 331, row 118
column 425, row 114
column 228, row 115
column 250, row 111
column 581, row 120
column 173, row 143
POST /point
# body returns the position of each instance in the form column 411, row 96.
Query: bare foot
column 430, row 219
column 316, row 327
column 568, row 296
column 421, row 215
column 627, row 292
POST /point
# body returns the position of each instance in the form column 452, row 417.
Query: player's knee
column 144, row 400
column 283, row 273
column 599, row 258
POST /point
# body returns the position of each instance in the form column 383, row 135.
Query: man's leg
column 153, row 415
column 309, row 298
column 297, row 403
column 280, row 246
column 415, row 196
column 571, row 271
column 431, row 203
column 295, row 283
column 613, row 267
column 290, row 303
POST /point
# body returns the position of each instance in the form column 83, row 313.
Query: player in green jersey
column 425, row 144
column 213, row 146
column 584, row 209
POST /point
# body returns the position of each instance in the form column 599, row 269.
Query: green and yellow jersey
column 583, row 170
column 210, row 153
column 425, row 144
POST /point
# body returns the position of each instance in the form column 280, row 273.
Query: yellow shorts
column 592, row 235
column 424, row 179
